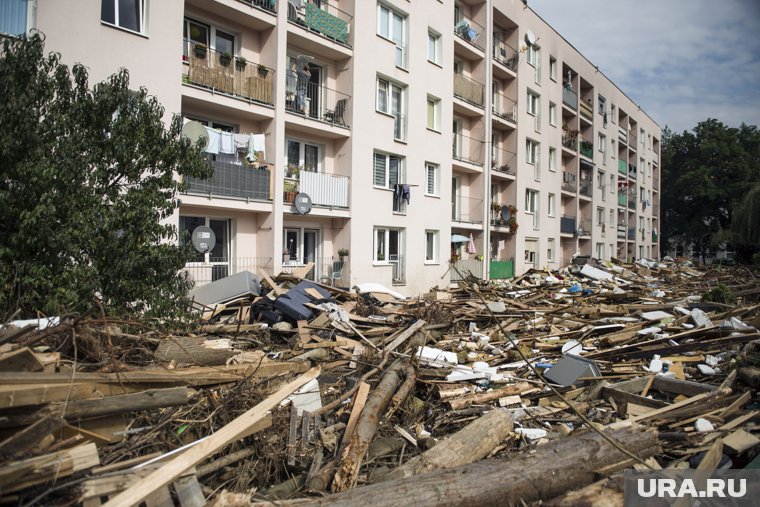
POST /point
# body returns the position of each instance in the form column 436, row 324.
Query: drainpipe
column 487, row 145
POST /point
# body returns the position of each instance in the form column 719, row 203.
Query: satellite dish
column 530, row 38
column 302, row 203
column 195, row 131
column 505, row 215
column 203, row 239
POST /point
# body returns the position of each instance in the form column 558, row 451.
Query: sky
column 682, row 61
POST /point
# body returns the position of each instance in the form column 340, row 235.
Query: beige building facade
column 406, row 124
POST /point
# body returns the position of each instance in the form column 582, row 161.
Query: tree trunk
column 554, row 468
column 471, row 443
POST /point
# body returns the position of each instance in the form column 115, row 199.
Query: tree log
column 553, row 469
column 471, row 443
column 194, row 350
column 474, row 399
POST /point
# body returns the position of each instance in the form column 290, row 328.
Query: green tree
column 745, row 227
column 88, row 183
column 706, row 173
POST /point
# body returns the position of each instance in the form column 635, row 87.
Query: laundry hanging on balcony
column 214, row 137
column 471, row 245
column 401, row 191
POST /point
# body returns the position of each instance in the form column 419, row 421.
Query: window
column 550, row 250
column 613, row 113
column 195, row 32
column 552, row 114
column 387, row 244
column 552, row 159
column 600, row 216
column 603, row 147
column 534, row 108
column 388, row 170
column 612, row 219
column 538, row 65
column 432, row 178
column 602, row 104
column 433, row 113
column 307, row 156
column 221, row 228
column 391, row 99
column 392, row 26
column 552, row 68
column 600, row 250
column 531, row 151
column 531, row 205
column 551, row 205
column 532, row 58
column 431, row 246
column 14, row 16
column 434, row 47
column 642, row 138
column 127, row 14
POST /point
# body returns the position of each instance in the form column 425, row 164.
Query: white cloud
column 682, row 61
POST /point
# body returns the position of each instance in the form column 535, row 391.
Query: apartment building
column 404, row 124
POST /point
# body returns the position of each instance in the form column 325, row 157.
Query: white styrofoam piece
column 596, row 274
column 703, row 425
column 705, row 370
column 531, row 433
column 656, row 316
column 436, row 357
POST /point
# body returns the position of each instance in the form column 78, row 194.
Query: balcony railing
column 622, row 167
column 632, row 200
column 586, row 148
column 622, row 198
column 471, row 32
column 631, row 233
column 569, row 98
column 233, row 181
column 215, row 269
column 655, row 157
column 267, row 5
column 323, row 18
column 324, row 189
column 504, row 161
column 569, row 181
column 567, row 224
column 654, row 237
column 632, row 171
column 467, row 210
column 224, row 73
column 328, row 270
column 632, row 140
column 656, row 183
column 467, row 267
column 584, row 228
column 586, row 188
column 316, row 102
column 621, row 231
column 586, row 109
column 570, row 142
column 504, row 107
column 468, row 89
column 622, row 135
column 656, row 209
column 505, row 54
column 468, row 149
column 501, row 270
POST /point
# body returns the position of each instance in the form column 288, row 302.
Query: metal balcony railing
column 471, row 32
column 217, row 268
column 505, row 54
column 569, row 98
column 622, row 198
column 586, row 188
column 328, row 270
column 468, row 90
column 233, row 181
column 622, row 167
column 467, row 267
column 468, row 149
column 567, row 224
column 632, row 233
column 584, row 228
column 570, row 142
column 586, row 109
column 504, row 161
column 569, row 181
column 225, row 73
column 267, row 5
column 622, row 135
column 586, row 148
column 621, row 231
column 317, row 102
column 324, row 189
column 632, row 171
column 467, row 210
column 654, row 237
column 323, row 18
column 504, row 107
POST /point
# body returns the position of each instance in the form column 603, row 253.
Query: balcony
column 632, row 200
column 631, row 233
column 654, row 236
column 655, row 157
column 656, row 209
column 623, row 135
column 622, row 167
column 567, row 224
column 470, row 32
column 504, row 108
column 622, row 198
column 505, row 54
column 584, row 228
column 327, row 270
column 570, row 98
column 632, row 141
column 267, row 5
column 468, row 90
column 586, row 188
column 324, row 19
column 621, row 231
column 586, row 109
column 329, row 190
column 466, row 267
column 316, row 102
column 232, row 181
column 222, row 73
column 467, row 210
column 202, row 273
column 569, row 182
column 569, row 142
column 586, row 148
column 656, row 183
column 504, row 161
column 632, row 171
column 467, row 149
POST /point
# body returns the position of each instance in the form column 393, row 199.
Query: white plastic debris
column 655, row 365
column 703, row 425
column 308, row 397
column 700, row 318
column 436, row 357
column 596, row 274
column 531, row 433
column 705, row 370
column 572, row 347
column 711, row 361
column 656, row 316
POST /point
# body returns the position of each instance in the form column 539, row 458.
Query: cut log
column 551, row 470
column 194, row 350
column 478, row 398
column 470, row 444
column 22, row 442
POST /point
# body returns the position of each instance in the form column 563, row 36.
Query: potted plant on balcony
column 200, row 50
column 240, row 63
column 293, row 171
column 225, row 58
column 263, row 70
column 290, row 191
column 512, row 219
column 343, row 252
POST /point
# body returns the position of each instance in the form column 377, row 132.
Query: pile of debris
column 546, row 387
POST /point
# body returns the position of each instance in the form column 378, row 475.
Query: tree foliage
column 88, row 183
column 706, row 174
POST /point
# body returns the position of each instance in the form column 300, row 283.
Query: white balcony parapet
column 325, row 189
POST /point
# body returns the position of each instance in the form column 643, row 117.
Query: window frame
column 387, row 185
column 435, row 169
column 436, row 103
column 302, row 144
column 431, row 234
column 553, row 159
column 435, row 38
column 386, row 232
column 550, row 250
column 551, row 205
column 552, row 68
column 142, row 16
column 400, row 43
column 552, row 114
column 531, row 151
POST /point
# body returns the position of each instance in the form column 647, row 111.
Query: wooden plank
column 23, row 474
column 712, row 458
column 292, row 435
column 736, row 405
column 162, row 497
column 647, row 386
column 303, row 271
column 404, row 336
column 191, row 457
column 22, row 359
column 279, row 291
column 15, row 395
column 189, row 492
column 659, row 411
column 740, row 441
column 325, row 344
column 360, row 399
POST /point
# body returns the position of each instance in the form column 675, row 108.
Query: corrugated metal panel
column 325, row 189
